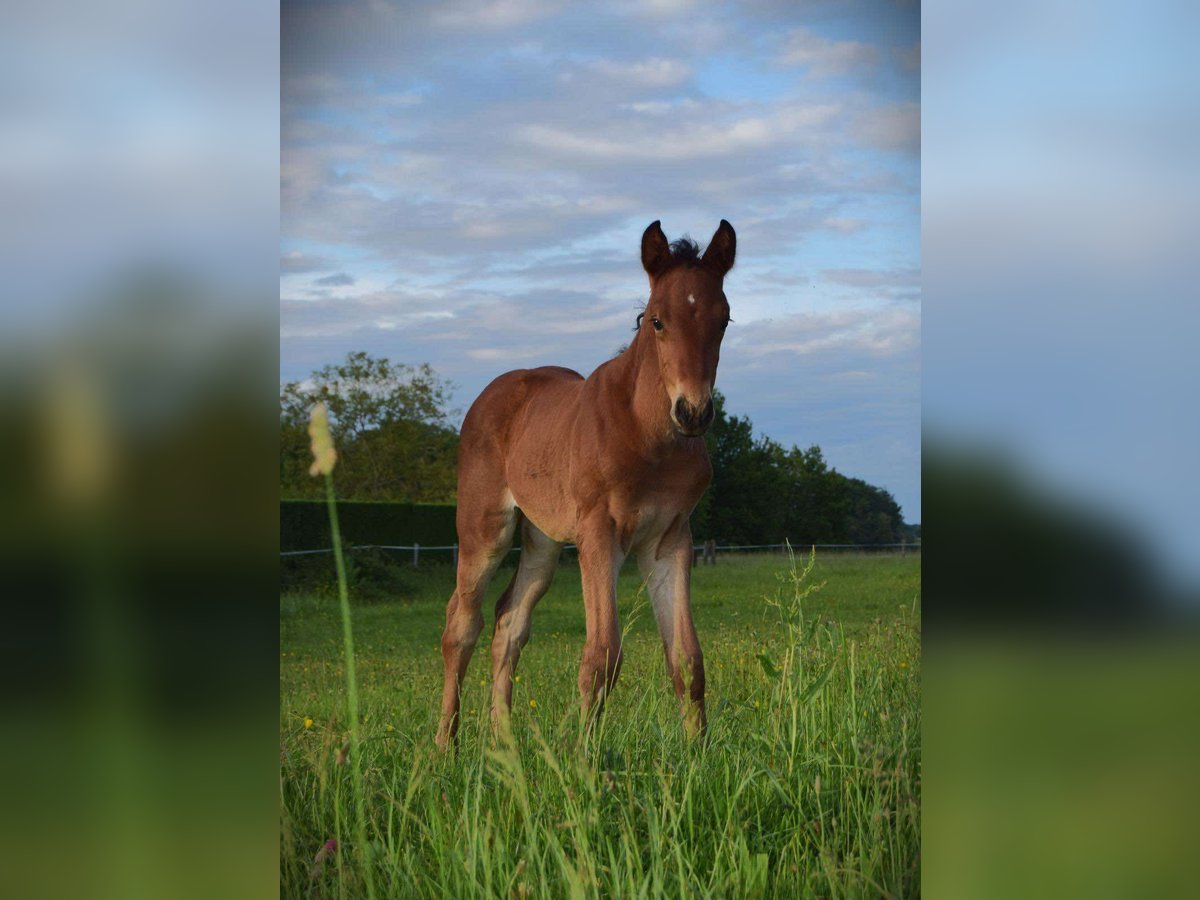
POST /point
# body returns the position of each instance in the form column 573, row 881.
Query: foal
column 616, row 464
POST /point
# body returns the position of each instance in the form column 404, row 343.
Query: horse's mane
column 685, row 251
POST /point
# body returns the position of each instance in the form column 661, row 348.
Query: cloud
column 510, row 355
column 694, row 138
column 892, row 127
column 909, row 57
column 492, row 13
column 654, row 8
column 326, row 91
column 661, row 107
column 872, row 277
column 298, row 263
column 341, row 279
column 856, row 333
column 568, row 161
column 843, row 224
column 656, row 72
column 895, row 284
column 822, row 57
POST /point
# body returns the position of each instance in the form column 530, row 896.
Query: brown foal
column 615, row 462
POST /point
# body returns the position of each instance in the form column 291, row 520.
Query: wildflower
column 308, row 723
column 327, row 850
column 389, row 728
column 81, row 451
column 533, row 704
column 483, row 682
column 324, row 456
column 517, row 679
column 903, row 664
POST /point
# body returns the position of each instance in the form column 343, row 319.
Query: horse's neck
column 641, row 396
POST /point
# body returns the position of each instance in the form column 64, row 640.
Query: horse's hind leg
column 539, row 558
column 485, row 531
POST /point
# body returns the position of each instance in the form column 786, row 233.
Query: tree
column 762, row 493
column 391, row 425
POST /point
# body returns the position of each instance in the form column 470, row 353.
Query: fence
column 305, row 523
column 708, row 551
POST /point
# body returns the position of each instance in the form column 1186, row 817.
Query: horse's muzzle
column 689, row 420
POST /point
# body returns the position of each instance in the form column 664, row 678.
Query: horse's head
column 685, row 319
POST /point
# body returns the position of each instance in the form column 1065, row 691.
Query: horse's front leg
column 667, row 568
column 600, row 558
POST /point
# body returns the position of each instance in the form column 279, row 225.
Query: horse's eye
column 656, row 323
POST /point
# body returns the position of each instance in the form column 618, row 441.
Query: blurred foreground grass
column 1061, row 767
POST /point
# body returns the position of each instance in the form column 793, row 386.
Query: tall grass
column 806, row 785
column 324, row 459
column 353, row 747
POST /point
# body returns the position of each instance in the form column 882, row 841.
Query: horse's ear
column 721, row 249
column 656, row 253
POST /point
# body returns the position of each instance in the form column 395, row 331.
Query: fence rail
column 416, row 549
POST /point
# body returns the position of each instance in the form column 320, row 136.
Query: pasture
column 807, row 784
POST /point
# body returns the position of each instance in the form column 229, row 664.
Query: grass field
column 808, row 782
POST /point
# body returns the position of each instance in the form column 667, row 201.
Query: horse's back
column 516, row 438
column 501, row 404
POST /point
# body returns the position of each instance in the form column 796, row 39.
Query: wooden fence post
column 455, row 557
column 416, row 554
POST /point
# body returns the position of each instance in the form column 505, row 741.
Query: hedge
column 304, row 524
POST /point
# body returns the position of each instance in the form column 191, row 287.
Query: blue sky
column 466, row 184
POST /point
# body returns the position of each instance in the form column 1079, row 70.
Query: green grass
column 808, row 782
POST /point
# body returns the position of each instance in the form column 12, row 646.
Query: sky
column 466, row 184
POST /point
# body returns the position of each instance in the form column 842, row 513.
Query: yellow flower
column 533, row 704
column 903, row 664
column 389, row 728
column 81, row 449
column 324, row 456
column 483, row 682
column 517, row 679
column 308, row 723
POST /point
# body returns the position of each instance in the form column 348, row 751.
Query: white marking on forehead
column 691, row 300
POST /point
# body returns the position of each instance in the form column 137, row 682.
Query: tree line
column 762, row 493
column 393, row 428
